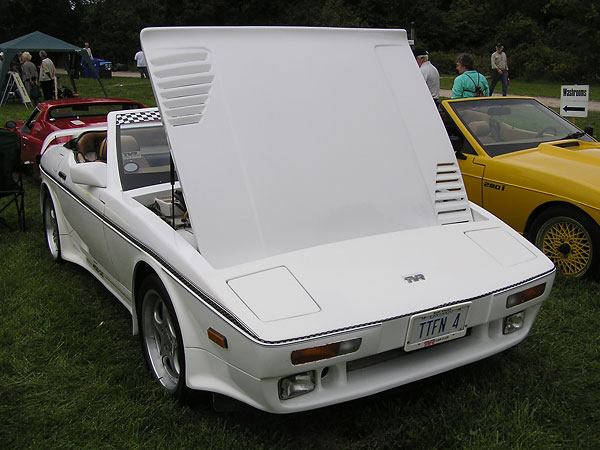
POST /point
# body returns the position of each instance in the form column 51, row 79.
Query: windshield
column 27, row 126
column 89, row 109
column 512, row 124
column 143, row 155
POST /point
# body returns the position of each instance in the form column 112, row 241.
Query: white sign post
column 574, row 100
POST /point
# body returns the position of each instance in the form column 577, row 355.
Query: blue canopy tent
column 36, row 41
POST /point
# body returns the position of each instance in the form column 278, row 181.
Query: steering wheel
column 550, row 130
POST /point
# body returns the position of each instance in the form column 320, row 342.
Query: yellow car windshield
column 508, row 125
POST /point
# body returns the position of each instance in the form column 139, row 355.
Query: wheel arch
column 141, row 271
column 545, row 207
column 47, row 191
column 44, row 192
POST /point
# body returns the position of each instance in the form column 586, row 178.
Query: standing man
column 47, row 76
column 140, row 60
column 429, row 72
column 499, row 69
column 29, row 75
column 87, row 48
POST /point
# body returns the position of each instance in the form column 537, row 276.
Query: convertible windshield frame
column 507, row 125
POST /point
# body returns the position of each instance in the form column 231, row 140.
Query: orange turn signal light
column 217, row 338
column 526, row 295
column 313, row 354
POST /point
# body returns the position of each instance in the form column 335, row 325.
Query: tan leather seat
column 481, row 130
column 102, row 151
column 88, row 146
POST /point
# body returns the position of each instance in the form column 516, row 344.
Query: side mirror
column 89, row 173
column 589, row 130
column 457, row 143
column 10, row 124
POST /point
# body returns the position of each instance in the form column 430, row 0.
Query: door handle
column 62, row 175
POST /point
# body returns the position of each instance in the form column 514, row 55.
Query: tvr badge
column 414, row 278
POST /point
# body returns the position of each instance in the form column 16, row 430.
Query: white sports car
column 290, row 227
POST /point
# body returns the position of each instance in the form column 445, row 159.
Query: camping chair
column 11, row 177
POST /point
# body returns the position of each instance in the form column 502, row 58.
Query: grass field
column 517, row 87
column 72, row 375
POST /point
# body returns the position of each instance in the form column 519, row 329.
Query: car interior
column 91, row 147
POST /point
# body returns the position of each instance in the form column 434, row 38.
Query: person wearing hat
column 499, row 69
column 429, row 72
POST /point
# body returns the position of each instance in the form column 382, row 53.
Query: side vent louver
column 183, row 81
column 451, row 202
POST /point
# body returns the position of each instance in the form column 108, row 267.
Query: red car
column 63, row 114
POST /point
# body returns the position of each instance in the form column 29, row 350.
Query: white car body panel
column 299, row 237
column 320, row 163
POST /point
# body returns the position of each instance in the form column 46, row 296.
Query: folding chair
column 11, row 177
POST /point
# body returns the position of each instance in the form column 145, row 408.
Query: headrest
column 90, row 142
column 480, row 128
column 129, row 144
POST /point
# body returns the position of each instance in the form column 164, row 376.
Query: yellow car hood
column 568, row 168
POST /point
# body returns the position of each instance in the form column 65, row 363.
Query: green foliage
column 444, row 61
column 544, row 39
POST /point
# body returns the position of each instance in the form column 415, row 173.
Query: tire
column 160, row 336
column 570, row 239
column 51, row 229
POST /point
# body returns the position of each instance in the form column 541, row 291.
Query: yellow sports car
column 534, row 170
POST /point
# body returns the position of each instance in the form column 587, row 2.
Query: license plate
column 436, row 326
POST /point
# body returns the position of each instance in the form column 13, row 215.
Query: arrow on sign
column 574, row 108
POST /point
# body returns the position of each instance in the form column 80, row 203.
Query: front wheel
column 570, row 239
column 161, row 339
column 51, row 229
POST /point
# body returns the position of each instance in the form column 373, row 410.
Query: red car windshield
column 89, row 110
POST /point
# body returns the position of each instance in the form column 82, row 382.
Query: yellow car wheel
column 570, row 239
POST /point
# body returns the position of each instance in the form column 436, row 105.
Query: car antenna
column 172, row 173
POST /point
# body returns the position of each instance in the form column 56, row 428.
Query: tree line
column 544, row 39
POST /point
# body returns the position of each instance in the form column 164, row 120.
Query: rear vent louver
column 183, row 81
column 451, row 204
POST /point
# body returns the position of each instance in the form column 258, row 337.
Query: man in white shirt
column 47, row 77
column 140, row 61
column 430, row 73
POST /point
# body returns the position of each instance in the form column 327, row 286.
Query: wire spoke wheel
column 160, row 339
column 567, row 243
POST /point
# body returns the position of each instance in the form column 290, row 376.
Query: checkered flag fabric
column 149, row 115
